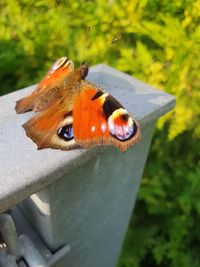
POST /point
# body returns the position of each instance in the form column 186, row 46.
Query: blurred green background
column 159, row 44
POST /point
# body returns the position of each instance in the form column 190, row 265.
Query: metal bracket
column 20, row 251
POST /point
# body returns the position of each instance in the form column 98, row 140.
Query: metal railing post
column 83, row 198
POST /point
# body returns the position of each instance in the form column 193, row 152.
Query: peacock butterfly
column 72, row 111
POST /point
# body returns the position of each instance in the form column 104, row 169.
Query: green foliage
column 166, row 225
column 159, row 44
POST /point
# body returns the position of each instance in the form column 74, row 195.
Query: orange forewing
column 54, row 76
column 53, row 79
column 90, row 125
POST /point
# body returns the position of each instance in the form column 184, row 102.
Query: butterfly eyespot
column 66, row 132
column 121, row 125
column 110, row 105
column 59, row 63
column 125, row 117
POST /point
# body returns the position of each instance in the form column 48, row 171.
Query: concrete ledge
column 25, row 170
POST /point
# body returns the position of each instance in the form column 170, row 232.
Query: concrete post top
column 25, row 170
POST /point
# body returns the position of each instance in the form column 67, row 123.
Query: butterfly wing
column 74, row 111
column 48, row 90
column 52, row 128
column 99, row 119
column 93, row 118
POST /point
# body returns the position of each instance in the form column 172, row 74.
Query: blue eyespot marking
column 66, row 132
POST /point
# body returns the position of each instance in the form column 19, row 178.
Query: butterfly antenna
column 113, row 41
column 85, row 43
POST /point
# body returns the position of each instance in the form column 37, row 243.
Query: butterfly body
column 72, row 111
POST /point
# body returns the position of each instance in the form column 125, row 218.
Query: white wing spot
column 103, row 127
